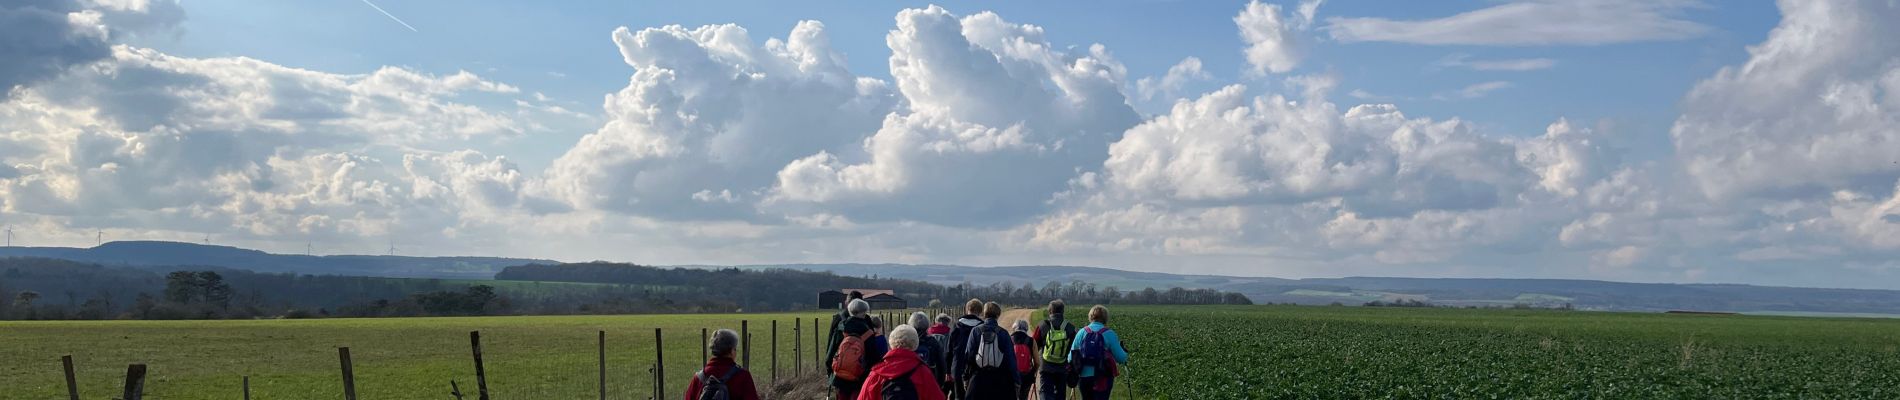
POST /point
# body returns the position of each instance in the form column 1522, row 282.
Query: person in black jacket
column 960, row 335
column 856, row 323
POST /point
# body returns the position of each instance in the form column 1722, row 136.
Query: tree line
column 50, row 289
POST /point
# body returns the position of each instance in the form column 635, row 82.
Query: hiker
column 1097, row 354
column 992, row 374
column 850, row 355
column 722, row 379
column 1052, row 340
column 959, row 336
column 930, row 348
column 878, row 344
column 942, row 327
column 902, row 375
column 1025, row 358
column 843, row 313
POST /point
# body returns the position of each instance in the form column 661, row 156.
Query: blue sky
column 1666, row 140
column 561, row 49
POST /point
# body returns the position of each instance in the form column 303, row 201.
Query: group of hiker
column 970, row 358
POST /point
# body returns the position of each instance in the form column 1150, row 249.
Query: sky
column 1652, row 141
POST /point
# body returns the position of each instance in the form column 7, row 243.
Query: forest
column 49, row 289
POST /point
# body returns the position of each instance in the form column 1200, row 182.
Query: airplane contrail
column 391, row 16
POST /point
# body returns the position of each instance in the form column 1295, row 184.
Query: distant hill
column 1583, row 294
column 155, row 253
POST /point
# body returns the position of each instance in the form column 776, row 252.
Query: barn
column 880, row 299
column 830, row 300
column 887, row 301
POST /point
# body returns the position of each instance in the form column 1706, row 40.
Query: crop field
column 552, row 357
column 1268, row 352
column 1201, row 352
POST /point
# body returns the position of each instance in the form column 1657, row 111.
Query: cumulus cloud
column 1272, row 44
column 1807, row 114
column 998, row 120
column 1531, row 23
column 1169, row 84
column 710, row 110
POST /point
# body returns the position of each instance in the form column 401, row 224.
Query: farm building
column 880, row 299
column 887, row 301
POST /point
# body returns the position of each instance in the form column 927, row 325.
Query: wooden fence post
column 247, row 387
column 745, row 345
column 702, row 344
column 603, row 365
column 774, row 348
column 798, row 349
column 481, row 376
column 659, row 365
column 817, row 346
column 349, row 375
column 135, row 382
column 72, row 382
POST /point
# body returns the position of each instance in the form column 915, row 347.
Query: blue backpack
column 1094, row 351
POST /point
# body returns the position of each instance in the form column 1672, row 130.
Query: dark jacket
column 894, row 366
column 932, row 352
column 852, row 327
column 999, row 383
column 740, row 386
column 959, row 335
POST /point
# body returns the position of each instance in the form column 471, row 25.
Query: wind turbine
column 392, row 247
column 100, row 236
column 9, row 236
column 207, row 239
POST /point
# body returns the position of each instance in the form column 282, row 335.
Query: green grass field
column 1330, row 352
column 1180, row 353
column 550, row 357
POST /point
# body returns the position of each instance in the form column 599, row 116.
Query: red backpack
column 1025, row 362
column 849, row 363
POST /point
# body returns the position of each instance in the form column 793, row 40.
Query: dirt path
column 1009, row 317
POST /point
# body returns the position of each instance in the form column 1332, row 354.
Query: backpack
column 989, row 352
column 1025, row 363
column 900, row 387
column 849, row 363
column 715, row 388
column 931, row 351
column 1055, row 342
column 943, row 347
column 1094, row 348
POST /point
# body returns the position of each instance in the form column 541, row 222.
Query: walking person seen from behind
column 902, row 375
column 1097, row 355
column 929, row 347
column 992, row 359
column 1025, row 358
column 1052, row 339
column 722, row 379
column 960, row 336
column 850, row 356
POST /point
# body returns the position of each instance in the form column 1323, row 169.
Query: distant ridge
column 1457, row 292
column 161, row 253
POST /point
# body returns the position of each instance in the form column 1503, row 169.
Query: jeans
column 1055, row 384
column 1087, row 387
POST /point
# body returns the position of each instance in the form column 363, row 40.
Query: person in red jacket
column 902, row 363
column 738, row 382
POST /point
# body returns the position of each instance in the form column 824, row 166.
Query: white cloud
column 997, row 121
column 1809, row 113
column 1169, row 85
column 1461, row 60
column 1272, row 44
column 1530, row 23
